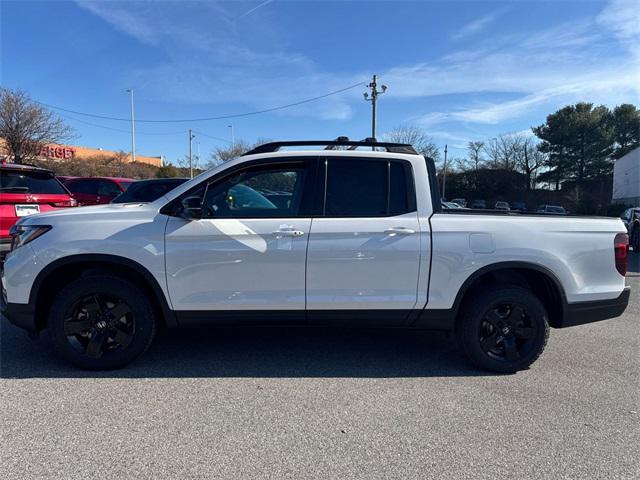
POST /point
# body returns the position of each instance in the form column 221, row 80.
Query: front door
column 364, row 251
column 248, row 250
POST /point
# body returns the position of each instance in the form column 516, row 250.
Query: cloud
column 572, row 62
column 209, row 58
column 475, row 26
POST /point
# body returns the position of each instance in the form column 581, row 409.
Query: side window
column 84, row 186
column 368, row 188
column 261, row 192
column 108, row 189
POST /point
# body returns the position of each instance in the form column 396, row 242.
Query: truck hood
column 97, row 213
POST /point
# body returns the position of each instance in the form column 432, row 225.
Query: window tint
column 89, row 187
column 29, row 182
column 108, row 189
column 400, row 185
column 367, row 188
column 262, row 192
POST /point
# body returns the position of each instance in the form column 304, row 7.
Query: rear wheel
column 101, row 322
column 503, row 328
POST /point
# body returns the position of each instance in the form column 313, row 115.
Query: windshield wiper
column 15, row 189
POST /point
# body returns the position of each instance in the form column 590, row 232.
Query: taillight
column 67, row 203
column 621, row 252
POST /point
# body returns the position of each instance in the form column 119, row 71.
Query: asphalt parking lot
column 326, row 404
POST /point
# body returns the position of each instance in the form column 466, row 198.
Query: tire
column 503, row 328
column 101, row 322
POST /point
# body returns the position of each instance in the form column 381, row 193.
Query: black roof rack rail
column 331, row 144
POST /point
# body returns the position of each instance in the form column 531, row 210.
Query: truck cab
column 288, row 235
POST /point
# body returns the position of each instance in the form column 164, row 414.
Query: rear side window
column 146, row 191
column 29, row 182
column 367, row 188
column 84, row 186
column 108, row 189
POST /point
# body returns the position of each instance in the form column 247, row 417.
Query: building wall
column 70, row 152
column 626, row 178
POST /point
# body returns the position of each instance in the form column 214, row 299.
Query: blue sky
column 461, row 70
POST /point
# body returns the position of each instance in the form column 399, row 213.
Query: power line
column 221, row 117
column 212, row 137
column 91, row 124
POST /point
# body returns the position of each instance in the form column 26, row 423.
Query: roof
column 24, row 168
column 372, row 143
column 117, row 179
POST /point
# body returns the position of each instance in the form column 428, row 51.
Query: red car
column 96, row 190
column 25, row 190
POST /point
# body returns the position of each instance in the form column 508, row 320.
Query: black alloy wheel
column 503, row 328
column 101, row 322
column 506, row 332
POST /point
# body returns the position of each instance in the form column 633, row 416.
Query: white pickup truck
column 337, row 236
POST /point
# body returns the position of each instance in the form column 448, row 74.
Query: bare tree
column 502, row 151
column 27, row 126
column 529, row 159
column 224, row 154
column 415, row 136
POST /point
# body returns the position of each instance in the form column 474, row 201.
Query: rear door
column 85, row 191
column 247, row 252
column 364, row 251
column 107, row 191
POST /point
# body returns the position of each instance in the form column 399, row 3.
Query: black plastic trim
column 595, row 311
column 21, row 315
column 169, row 316
column 389, row 146
column 362, row 318
column 434, row 187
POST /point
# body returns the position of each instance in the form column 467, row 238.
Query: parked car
column 479, row 204
column 148, row 190
column 502, row 206
column 519, row 206
column 631, row 219
column 451, row 206
column 97, row 190
column 363, row 241
column 460, row 201
column 26, row 190
column 552, row 209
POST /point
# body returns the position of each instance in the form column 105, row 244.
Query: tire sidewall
column 473, row 315
column 83, row 287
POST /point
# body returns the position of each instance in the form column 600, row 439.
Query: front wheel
column 101, row 322
column 503, row 328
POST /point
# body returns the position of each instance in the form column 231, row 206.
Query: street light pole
column 373, row 98
column 444, row 174
column 133, row 129
column 233, row 140
column 191, row 137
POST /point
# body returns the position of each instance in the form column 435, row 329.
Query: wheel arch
column 58, row 273
column 537, row 278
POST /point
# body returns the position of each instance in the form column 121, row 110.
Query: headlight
column 23, row 234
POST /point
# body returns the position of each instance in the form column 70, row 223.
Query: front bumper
column 20, row 314
column 588, row 312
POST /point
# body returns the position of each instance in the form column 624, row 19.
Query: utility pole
column 233, row 140
column 444, row 174
column 373, row 98
column 133, row 129
column 191, row 137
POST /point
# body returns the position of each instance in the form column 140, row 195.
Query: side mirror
column 192, row 208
